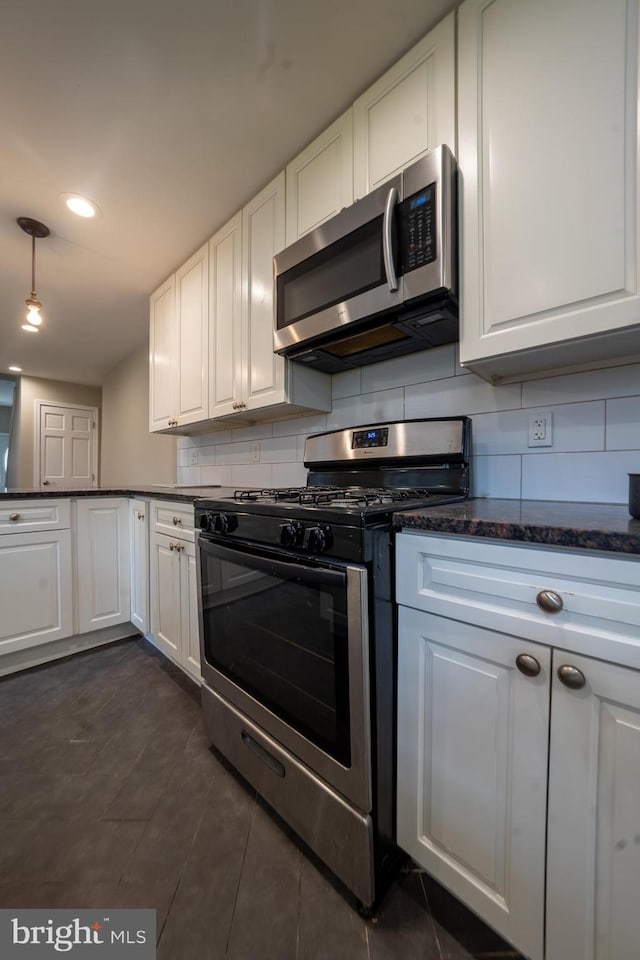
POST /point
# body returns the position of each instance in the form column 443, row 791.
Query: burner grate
column 334, row 496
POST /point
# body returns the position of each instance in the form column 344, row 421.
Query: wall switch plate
column 540, row 430
column 193, row 458
column 254, row 451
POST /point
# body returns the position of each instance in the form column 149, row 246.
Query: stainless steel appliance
column 377, row 280
column 297, row 631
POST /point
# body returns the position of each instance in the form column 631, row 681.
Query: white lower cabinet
column 593, row 853
column 174, row 600
column 139, row 563
column 35, row 589
column 472, row 768
column 102, row 552
column 482, row 709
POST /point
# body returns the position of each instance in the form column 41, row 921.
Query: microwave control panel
column 419, row 229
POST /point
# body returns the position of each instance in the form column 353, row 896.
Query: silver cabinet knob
column 45, row 483
column 172, row 547
column 549, row 601
column 14, row 516
column 140, row 515
column 235, row 405
column 527, row 665
column 176, row 521
column 571, row 677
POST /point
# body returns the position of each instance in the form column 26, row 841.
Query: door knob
column 527, row 665
column 549, row 601
column 571, row 677
column 45, row 483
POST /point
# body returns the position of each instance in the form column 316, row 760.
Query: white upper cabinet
column 320, row 180
column 548, row 155
column 411, row 109
column 262, row 237
column 225, row 303
column 192, row 354
column 162, row 324
column 179, row 346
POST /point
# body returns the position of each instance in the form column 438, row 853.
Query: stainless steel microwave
column 377, row 280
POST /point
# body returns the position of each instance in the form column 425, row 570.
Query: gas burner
column 339, row 497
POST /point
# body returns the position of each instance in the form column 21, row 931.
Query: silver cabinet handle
column 387, row 239
column 14, row 516
column 234, row 405
column 172, row 423
column 549, row 601
column 176, row 521
column 45, row 483
column 527, row 665
column 140, row 515
column 172, row 547
column 571, row 677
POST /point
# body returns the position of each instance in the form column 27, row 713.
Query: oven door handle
column 286, row 570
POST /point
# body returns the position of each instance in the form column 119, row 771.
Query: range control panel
column 419, row 229
column 374, row 437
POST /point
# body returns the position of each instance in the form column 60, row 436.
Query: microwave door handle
column 387, row 239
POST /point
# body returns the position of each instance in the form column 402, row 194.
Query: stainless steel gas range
column 298, row 636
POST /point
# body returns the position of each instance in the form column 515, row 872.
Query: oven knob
column 319, row 539
column 224, row 522
column 291, row 534
column 205, row 521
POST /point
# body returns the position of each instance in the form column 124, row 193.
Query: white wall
column 130, row 455
column 596, row 429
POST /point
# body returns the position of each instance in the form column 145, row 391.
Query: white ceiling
column 170, row 116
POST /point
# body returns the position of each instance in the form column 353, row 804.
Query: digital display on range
column 370, row 438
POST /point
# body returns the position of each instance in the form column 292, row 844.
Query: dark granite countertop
column 591, row 526
column 170, row 492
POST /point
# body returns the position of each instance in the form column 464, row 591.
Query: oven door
column 342, row 272
column 286, row 642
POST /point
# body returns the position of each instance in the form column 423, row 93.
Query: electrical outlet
column 254, row 451
column 193, row 458
column 540, row 430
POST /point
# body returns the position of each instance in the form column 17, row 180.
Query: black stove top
column 336, row 497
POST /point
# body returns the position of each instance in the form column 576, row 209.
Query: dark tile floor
column 110, row 797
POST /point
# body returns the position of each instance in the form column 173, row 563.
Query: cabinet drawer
column 502, row 586
column 173, row 519
column 33, row 515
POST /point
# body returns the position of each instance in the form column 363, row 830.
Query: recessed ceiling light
column 81, row 206
column 16, row 369
column 29, row 328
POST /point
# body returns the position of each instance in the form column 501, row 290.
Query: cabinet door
column 593, row 854
column 262, row 237
column 139, row 556
column 320, row 179
column 192, row 361
column 102, row 545
column 189, row 611
column 225, row 318
column 472, row 768
column 411, row 109
column 162, row 324
column 548, row 155
column 164, row 594
column 35, row 589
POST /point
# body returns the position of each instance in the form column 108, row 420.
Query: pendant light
column 35, row 229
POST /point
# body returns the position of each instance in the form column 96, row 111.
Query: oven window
column 281, row 634
column 343, row 270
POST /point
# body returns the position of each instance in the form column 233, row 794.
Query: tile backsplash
column 595, row 428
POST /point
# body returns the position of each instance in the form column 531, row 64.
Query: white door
column 593, row 859
column 472, row 768
column 225, row 318
column 139, row 544
column 35, row 589
column 67, row 446
column 192, row 311
column 409, row 110
column 262, row 237
column 103, row 562
column 189, row 608
column 164, row 594
column 320, row 179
